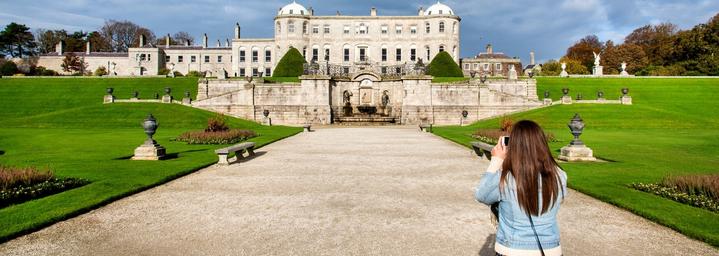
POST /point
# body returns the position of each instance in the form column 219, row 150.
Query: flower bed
column 18, row 185
column 696, row 190
column 490, row 136
column 216, row 137
column 701, row 201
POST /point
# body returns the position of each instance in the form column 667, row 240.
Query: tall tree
column 98, row 43
column 17, row 40
column 582, row 50
column 181, row 37
column 75, row 42
column 655, row 40
column 631, row 54
column 48, row 39
column 124, row 34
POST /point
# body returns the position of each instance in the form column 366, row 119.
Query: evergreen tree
column 444, row 66
column 17, row 40
column 291, row 65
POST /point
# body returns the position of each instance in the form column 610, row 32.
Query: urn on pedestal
column 576, row 150
column 109, row 98
column 566, row 99
column 167, row 98
column 150, row 150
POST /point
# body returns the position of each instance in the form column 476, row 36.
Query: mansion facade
column 338, row 39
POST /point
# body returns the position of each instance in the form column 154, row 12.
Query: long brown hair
column 529, row 161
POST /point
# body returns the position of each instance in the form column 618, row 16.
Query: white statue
column 564, row 70
column 624, row 66
column 172, row 70
column 112, row 69
column 597, row 58
column 564, row 66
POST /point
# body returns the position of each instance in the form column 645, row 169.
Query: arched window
column 441, row 48
column 454, row 27
column 427, row 27
column 327, row 53
column 291, row 27
column 441, row 27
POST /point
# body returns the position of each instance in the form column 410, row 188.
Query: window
column 315, row 29
column 413, row 30
column 268, row 72
column 207, row 59
column 384, row 70
column 384, row 54
column 440, row 11
column 475, row 66
column 428, row 53
column 327, row 54
column 219, row 58
column 268, row 56
column 384, row 29
column 167, row 58
column 179, row 58
column 255, row 72
column 399, row 54
column 255, row 56
column 242, row 55
column 454, row 27
column 304, row 27
column 304, row 52
column 327, row 29
column 413, row 54
column 315, row 53
column 142, row 56
column 242, row 72
column 279, row 28
column 498, row 66
column 193, row 58
column 441, row 48
column 362, row 29
column 363, row 53
column 427, row 27
column 347, row 54
column 441, row 27
column 486, row 66
column 398, row 29
column 291, row 27
column 346, row 29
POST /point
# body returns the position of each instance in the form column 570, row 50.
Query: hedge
column 444, row 66
column 290, row 65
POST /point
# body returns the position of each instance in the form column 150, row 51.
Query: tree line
column 657, row 50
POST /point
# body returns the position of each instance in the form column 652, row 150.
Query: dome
column 439, row 9
column 293, row 9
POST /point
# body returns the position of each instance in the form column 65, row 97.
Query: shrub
column 163, row 71
column 8, row 68
column 707, row 185
column 100, row 71
column 218, row 137
column 178, row 74
column 195, row 73
column 489, row 136
column 444, row 66
column 291, row 65
column 22, row 193
column 701, row 201
column 14, row 176
column 505, row 124
column 217, row 124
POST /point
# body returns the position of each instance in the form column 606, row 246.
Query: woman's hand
column 499, row 150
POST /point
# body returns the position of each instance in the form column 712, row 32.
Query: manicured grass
column 449, row 79
column 62, row 124
column 672, row 128
column 282, row 79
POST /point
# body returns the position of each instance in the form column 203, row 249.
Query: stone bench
column 425, row 127
column 482, row 149
column 308, row 128
column 238, row 149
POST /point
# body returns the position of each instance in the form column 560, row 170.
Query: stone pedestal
column 108, row 99
column 150, row 150
column 564, row 74
column 601, row 100
column 624, row 73
column 134, row 99
column 166, row 99
column 566, row 99
column 171, row 74
column 186, row 101
column 267, row 121
column 576, row 153
column 626, row 100
column 598, row 71
column 512, row 75
column 547, row 101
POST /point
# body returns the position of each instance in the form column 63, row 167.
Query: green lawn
column 62, row 124
column 672, row 128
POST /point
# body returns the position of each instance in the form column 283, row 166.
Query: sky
column 514, row 27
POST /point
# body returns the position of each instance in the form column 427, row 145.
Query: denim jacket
column 514, row 230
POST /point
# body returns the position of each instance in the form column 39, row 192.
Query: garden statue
column 564, row 70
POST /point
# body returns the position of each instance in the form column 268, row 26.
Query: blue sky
column 513, row 27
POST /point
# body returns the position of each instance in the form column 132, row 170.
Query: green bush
column 100, row 71
column 443, row 66
column 8, row 68
column 195, row 73
column 163, row 71
column 291, row 65
column 178, row 74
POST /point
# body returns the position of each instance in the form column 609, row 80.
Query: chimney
column 489, row 49
column 167, row 41
column 187, row 42
column 373, row 12
column 87, row 47
column 531, row 58
column 311, row 11
column 142, row 40
column 338, row 13
column 237, row 30
column 227, row 42
column 60, row 47
column 204, row 40
column 420, row 12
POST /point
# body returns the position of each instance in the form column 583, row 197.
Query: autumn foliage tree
column 74, row 64
column 582, row 50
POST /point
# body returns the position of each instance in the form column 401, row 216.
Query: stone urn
column 579, row 96
column 168, row 90
column 483, row 78
column 150, row 150
column 266, row 113
column 110, row 90
column 565, row 91
column 465, row 113
column 625, row 91
column 531, row 74
column 546, row 94
column 472, row 73
column 135, row 94
column 157, row 95
column 187, row 94
column 150, row 126
column 600, row 94
column 576, row 126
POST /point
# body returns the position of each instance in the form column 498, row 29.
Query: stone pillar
column 167, row 41
column 204, row 40
column 531, row 58
column 417, row 107
column 315, row 94
column 142, row 40
column 60, row 48
column 373, row 12
column 566, row 99
column 87, row 48
column 598, row 71
column 626, row 100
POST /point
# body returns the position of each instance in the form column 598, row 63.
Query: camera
column 505, row 141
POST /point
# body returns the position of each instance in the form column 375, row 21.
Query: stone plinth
column 108, row 99
column 564, row 74
column 512, row 75
column 267, row 121
column 624, row 73
column 150, row 150
column 598, row 71
column 626, row 100
column 576, row 153
column 186, row 101
column 547, row 101
column 566, row 99
column 166, row 99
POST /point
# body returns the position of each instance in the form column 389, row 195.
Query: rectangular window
column 466, row 66
column 167, row 58
column 486, row 66
column 384, row 29
column 315, row 53
column 347, row 55
column 242, row 56
column 413, row 54
column 384, row 70
column 428, row 55
column 291, row 28
column 363, row 54
column 384, row 54
column 475, row 66
column 427, row 27
column 413, row 30
column 242, row 72
column 179, row 58
column 498, row 66
column 193, row 58
column 255, row 56
column 268, row 56
column 255, row 72
column 327, row 29
column 315, row 29
column 327, row 54
column 207, row 58
column 268, row 72
column 346, row 29
column 148, row 57
column 219, row 58
column 399, row 55
column 398, row 29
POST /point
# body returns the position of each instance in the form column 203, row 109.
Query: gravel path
column 336, row 191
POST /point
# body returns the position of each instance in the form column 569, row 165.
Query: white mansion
column 338, row 39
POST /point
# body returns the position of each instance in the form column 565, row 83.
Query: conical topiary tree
column 290, row 65
column 444, row 66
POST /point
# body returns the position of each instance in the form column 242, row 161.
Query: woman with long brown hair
column 528, row 186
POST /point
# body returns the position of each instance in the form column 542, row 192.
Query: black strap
column 535, row 234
